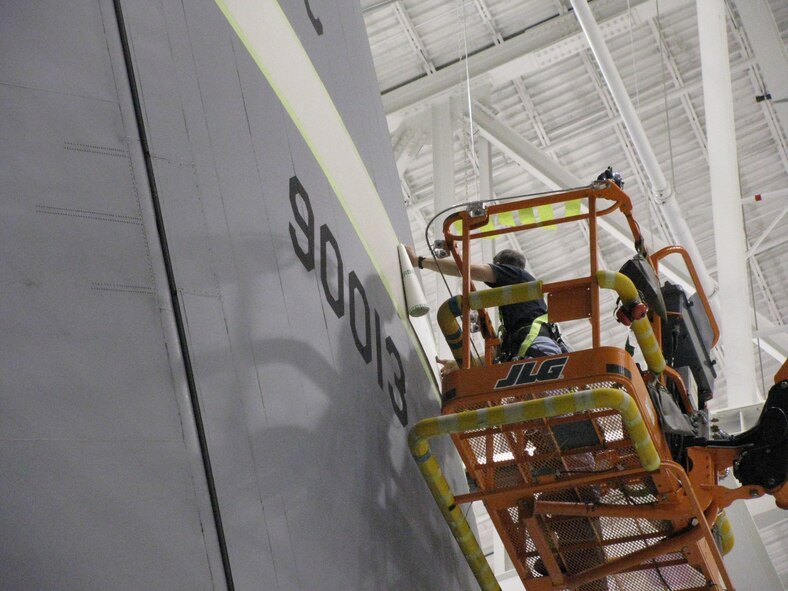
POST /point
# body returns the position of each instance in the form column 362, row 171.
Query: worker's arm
column 447, row 266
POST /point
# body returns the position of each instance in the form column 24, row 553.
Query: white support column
column 499, row 554
column 486, row 194
column 663, row 192
column 485, row 169
column 748, row 562
column 729, row 239
column 442, row 158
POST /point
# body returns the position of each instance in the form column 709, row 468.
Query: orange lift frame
column 567, row 451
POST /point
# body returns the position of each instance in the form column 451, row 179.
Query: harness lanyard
column 536, row 326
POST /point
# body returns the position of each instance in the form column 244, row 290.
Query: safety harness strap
column 536, row 326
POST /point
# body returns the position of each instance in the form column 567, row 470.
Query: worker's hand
column 414, row 258
column 447, row 365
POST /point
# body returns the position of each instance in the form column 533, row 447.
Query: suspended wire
column 470, row 100
column 464, row 56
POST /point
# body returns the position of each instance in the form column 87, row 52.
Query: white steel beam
column 517, row 81
column 413, row 38
column 764, row 36
column 486, row 193
column 595, row 126
column 760, row 280
column 408, row 147
column 729, row 239
column 443, row 187
column 484, row 13
column 662, row 191
column 774, row 243
column 675, row 76
column 619, row 129
column 756, row 247
column 528, row 52
column 523, row 152
column 766, row 195
column 748, row 562
column 759, row 85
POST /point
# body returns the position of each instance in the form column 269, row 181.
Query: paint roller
column 414, row 296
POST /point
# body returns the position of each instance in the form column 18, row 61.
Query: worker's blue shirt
column 515, row 316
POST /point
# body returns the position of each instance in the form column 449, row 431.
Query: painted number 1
column 315, row 21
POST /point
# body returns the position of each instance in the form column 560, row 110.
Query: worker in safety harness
column 525, row 329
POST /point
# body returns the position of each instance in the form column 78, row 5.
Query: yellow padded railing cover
column 486, row 298
column 628, row 293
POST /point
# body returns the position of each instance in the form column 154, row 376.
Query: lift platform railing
column 474, row 222
column 506, row 415
column 529, row 291
column 568, row 452
column 661, row 254
column 696, row 532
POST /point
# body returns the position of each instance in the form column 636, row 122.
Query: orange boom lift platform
column 586, row 485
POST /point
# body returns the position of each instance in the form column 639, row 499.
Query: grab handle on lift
column 644, row 334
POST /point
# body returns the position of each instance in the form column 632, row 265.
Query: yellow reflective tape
column 526, row 216
column 606, row 279
column 573, row 207
column 649, row 345
column 506, row 295
column 726, row 532
column 625, row 288
column 564, row 406
column 496, row 414
column 536, row 411
column 546, row 214
column 506, row 219
column 468, row 421
column 429, row 428
column 510, row 413
column 487, row 227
